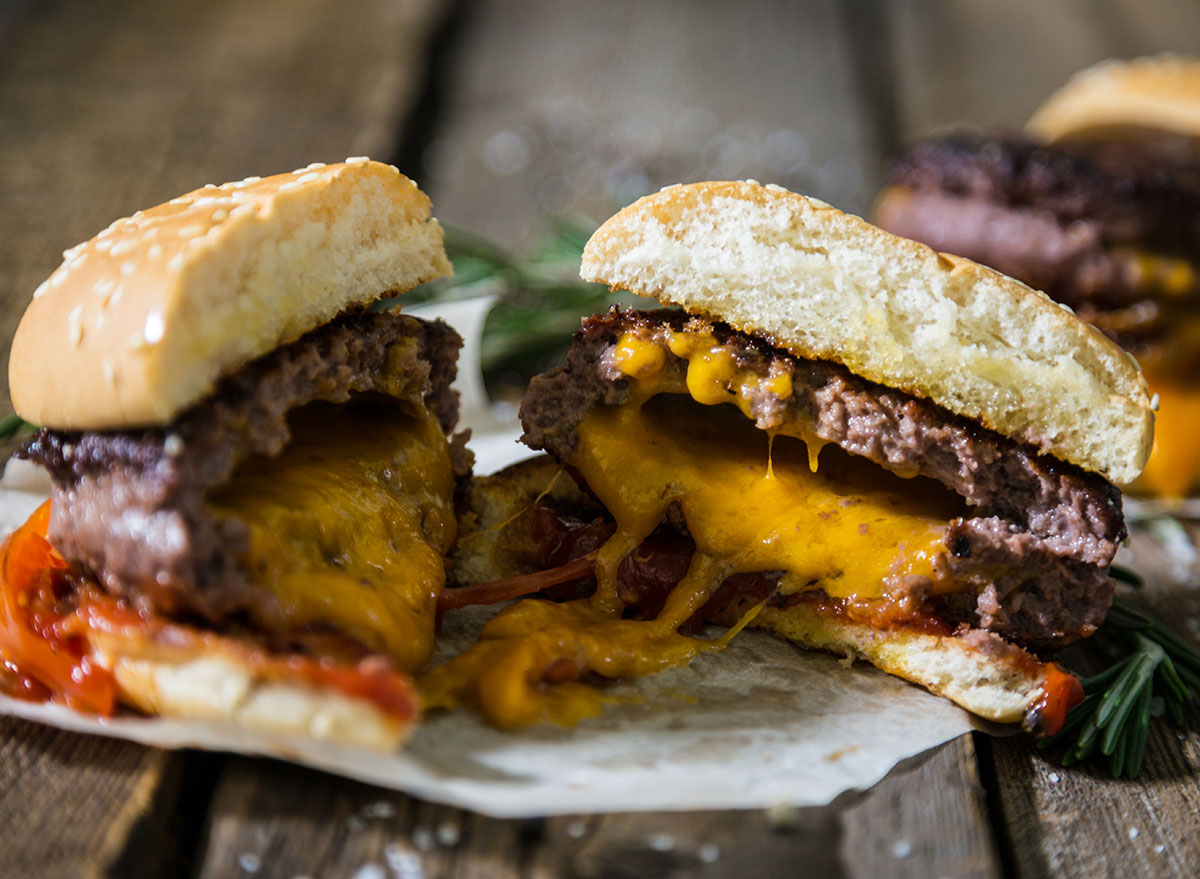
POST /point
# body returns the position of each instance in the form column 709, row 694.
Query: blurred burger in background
column 1096, row 202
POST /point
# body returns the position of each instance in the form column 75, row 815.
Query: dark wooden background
column 506, row 112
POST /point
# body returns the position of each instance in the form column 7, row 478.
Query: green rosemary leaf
column 1138, row 736
column 1075, row 719
column 1125, row 575
column 13, row 424
column 1127, row 617
column 1098, row 683
column 1172, row 682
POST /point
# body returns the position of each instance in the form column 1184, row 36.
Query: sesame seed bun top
column 140, row 322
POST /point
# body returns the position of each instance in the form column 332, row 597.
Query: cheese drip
column 853, row 529
column 349, row 525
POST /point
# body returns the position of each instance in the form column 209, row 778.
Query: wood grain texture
column 581, row 106
column 71, row 805
column 926, row 818
column 106, row 108
column 1078, row 821
column 931, row 821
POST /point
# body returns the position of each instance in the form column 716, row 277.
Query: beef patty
column 129, row 507
column 1049, row 526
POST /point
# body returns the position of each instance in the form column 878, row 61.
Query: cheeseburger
column 838, row 435
column 253, row 485
column 1098, row 204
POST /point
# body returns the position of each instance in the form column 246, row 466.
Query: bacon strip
column 515, row 587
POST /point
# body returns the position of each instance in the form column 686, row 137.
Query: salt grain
column 250, row 862
column 1133, row 833
column 370, row 871
column 422, row 839
column 902, row 848
column 662, row 842
column 708, row 853
column 576, row 829
column 447, row 833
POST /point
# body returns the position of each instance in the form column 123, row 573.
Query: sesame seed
column 71, row 251
column 153, row 331
column 220, row 215
column 191, row 231
column 175, row 263
column 41, row 289
column 357, row 160
column 752, row 181
column 75, row 325
column 58, row 278
column 246, row 181
column 104, row 286
column 291, row 184
column 122, row 247
column 117, row 294
column 76, row 262
column 210, row 186
column 100, row 318
column 775, row 187
column 241, row 211
column 308, row 178
column 154, row 252
column 312, row 166
column 128, row 267
column 104, row 246
column 107, row 368
column 107, row 231
column 150, row 233
column 394, row 168
column 183, row 199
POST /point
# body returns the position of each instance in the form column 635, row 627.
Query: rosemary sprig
column 1154, row 667
column 540, row 297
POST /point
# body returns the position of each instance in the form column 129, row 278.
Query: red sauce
column 1061, row 692
column 43, row 655
column 45, row 621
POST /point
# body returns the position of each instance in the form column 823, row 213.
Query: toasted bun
column 830, row 286
column 992, row 678
column 140, row 322
column 214, row 678
column 1162, row 92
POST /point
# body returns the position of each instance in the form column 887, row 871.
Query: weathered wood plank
column 107, row 108
column 579, row 106
column 69, row 804
column 930, row 821
column 1078, row 821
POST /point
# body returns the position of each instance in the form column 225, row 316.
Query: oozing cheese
column 750, row 504
column 349, row 525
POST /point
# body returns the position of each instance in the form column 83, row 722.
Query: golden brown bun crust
column 1161, row 92
column 980, row 672
column 141, row 321
column 827, row 285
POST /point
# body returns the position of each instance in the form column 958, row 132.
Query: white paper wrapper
column 759, row 724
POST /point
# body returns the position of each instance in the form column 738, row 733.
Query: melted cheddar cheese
column 751, row 503
column 349, row 525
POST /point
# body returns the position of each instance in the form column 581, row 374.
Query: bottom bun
column 191, row 676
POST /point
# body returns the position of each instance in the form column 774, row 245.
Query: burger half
column 841, row 436
column 253, row 485
column 1098, row 204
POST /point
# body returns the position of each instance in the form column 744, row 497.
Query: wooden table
column 506, row 111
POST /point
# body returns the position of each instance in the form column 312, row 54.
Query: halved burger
column 1097, row 203
column 836, row 434
column 253, row 471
